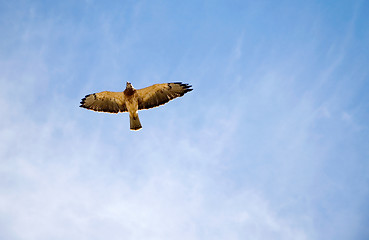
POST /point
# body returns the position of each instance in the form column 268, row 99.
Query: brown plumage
column 132, row 100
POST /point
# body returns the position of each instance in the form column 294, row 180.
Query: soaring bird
column 131, row 100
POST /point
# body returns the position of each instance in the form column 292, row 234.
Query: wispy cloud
column 76, row 186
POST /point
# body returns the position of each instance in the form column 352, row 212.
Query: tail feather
column 135, row 123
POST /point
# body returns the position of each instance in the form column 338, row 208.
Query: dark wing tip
column 83, row 100
column 189, row 90
column 186, row 86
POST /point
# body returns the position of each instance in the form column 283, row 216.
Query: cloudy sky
column 272, row 143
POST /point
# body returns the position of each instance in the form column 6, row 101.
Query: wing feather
column 112, row 102
column 160, row 94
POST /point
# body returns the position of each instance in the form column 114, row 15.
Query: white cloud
column 62, row 182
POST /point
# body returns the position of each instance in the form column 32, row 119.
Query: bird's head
column 129, row 85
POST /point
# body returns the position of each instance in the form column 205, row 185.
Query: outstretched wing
column 159, row 94
column 112, row 102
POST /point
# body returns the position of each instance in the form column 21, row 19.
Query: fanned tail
column 134, row 121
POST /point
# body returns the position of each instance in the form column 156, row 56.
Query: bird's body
column 132, row 100
column 132, row 107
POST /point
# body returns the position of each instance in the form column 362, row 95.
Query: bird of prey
column 132, row 100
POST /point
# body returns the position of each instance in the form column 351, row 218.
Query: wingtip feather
column 184, row 85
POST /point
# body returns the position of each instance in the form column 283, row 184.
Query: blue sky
column 273, row 143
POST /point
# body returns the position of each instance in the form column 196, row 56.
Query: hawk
column 132, row 100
